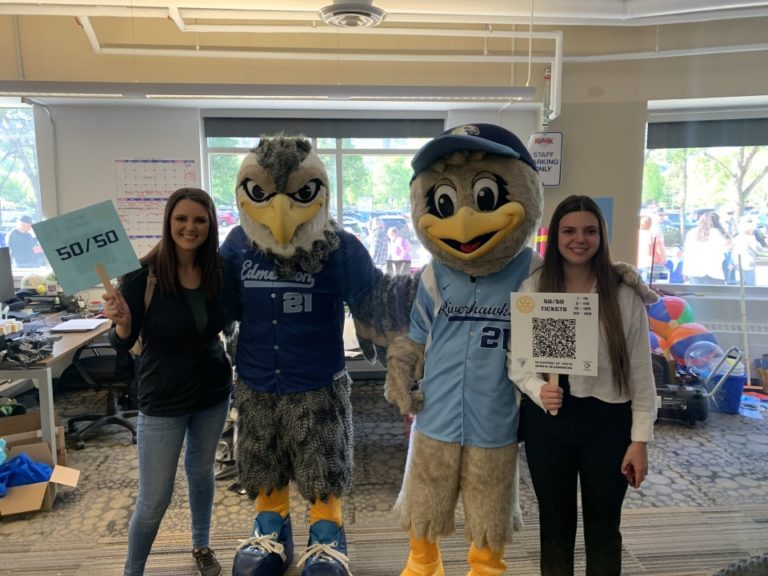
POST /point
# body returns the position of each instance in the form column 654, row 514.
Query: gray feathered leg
column 261, row 462
column 489, row 491
column 305, row 437
column 427, row 501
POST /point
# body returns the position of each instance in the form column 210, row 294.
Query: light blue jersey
column 464, row 323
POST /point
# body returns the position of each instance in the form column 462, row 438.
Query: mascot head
column 282, row 196
column 475, row 197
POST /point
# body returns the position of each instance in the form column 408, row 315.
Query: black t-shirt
column 182, row 369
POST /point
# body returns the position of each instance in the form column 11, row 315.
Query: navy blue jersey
column 291, row 330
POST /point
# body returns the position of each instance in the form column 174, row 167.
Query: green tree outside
column 19, row 174
column 394, row 183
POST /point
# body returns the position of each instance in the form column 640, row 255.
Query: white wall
column 81, row 145
column 521, row 121
column 603, row 147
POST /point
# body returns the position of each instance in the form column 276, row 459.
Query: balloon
column 682, row 337
column 702, row 357
column 658, row 344
column 669, row 313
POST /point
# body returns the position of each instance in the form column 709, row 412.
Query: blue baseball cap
column 488, row 137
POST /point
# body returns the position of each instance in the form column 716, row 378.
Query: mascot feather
column 476, row 202
column 290, row 272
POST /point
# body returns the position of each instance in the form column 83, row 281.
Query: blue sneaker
column 326, row 553
column 269, row 551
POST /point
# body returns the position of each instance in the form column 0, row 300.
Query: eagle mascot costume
column 476, row 201
column 290, row 270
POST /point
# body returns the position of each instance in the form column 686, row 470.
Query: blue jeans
column 159, row 445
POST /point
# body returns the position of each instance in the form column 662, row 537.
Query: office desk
column 42, row 373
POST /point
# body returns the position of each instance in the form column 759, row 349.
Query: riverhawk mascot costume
column 476, row 201
column 290, row 271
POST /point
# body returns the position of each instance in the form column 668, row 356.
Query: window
column 702, row 176
column 368, row 168
column 19, row 188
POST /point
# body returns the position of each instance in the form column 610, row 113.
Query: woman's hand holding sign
column 115, row 307
column 551, row 395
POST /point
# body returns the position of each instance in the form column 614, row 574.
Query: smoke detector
column 360, row 14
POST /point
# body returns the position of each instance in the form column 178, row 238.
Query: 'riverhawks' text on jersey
column 464, row 323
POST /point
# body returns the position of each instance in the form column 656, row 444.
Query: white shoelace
column 328, row 550
column 266, row 541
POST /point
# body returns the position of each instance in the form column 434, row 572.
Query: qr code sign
column 554, row 338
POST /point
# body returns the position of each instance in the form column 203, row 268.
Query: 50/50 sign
column 80, row 247
column 79, row 243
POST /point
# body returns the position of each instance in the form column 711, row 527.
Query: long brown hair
column 162, row 257
column 706, row 223
column 552, row 279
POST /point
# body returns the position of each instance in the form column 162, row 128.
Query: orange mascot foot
column 423, row 559
column 486, row 562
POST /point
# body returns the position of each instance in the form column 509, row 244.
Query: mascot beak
column 470, row 234
column 283, row 216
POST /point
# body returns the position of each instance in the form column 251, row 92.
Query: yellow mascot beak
column 283, row 216
column 469, row 234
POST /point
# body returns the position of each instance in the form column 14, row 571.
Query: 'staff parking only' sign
column 546, row 148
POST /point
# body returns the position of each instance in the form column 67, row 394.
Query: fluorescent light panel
column 268, row 92
column 230, row 97
column 61, row 95
column 378, row 93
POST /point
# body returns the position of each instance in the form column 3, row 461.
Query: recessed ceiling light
column 352, row 14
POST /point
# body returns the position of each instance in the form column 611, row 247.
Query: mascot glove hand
column 405, row 365
column 631, row 277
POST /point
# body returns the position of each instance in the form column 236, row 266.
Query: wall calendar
column 143, row 186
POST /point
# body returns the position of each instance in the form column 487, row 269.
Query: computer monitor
column 7, row 291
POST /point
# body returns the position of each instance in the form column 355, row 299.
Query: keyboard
column 21, row 315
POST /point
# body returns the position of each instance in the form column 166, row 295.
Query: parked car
column 354, row 227
column 697, row 213
column 671, row 234
column 397, row 221
column 227, row 218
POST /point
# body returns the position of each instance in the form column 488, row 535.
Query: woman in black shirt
column 184, row 375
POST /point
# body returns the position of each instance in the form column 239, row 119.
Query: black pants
column 586, row 441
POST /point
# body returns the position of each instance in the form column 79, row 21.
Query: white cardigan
column 642, row 389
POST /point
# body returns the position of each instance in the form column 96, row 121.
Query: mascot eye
column 254, row 191
column 446, row 200
column 486, row 191
column 308, row 192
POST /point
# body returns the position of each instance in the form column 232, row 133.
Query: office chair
column 752, row 566
column 110, row 377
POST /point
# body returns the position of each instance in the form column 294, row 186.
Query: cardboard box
column 25, row 429
column 41, row 495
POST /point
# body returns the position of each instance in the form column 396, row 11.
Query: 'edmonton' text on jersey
column 291, row 330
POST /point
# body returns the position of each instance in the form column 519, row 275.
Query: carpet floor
column 704, row 505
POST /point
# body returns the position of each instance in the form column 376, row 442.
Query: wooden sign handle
column 553, row 379
column 104, row 277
